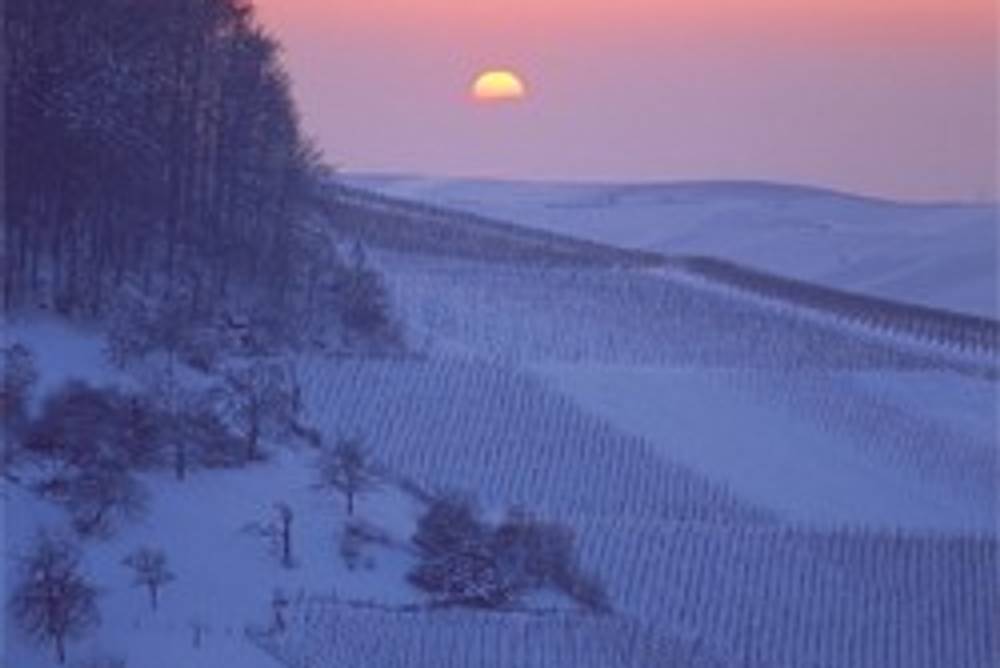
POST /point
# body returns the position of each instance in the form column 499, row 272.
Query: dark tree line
column 153, row 150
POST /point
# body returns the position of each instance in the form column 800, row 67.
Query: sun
column 499, row 86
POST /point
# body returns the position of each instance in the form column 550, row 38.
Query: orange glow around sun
column 498, row 86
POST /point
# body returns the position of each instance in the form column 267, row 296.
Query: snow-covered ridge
column 979, row 336
column 412, row 226
column 942, row 255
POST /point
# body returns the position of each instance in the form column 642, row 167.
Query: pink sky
column 887, row 97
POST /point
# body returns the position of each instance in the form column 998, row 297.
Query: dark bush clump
column 465, row 561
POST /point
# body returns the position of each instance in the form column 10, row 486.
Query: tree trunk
column 60, row 649
column 254, row 434
column 180, row 460
column 286, row 543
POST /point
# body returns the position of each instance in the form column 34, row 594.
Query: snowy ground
column 939, row 255
column 226, row 573
column 771, row 455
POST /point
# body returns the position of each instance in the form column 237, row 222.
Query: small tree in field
column 346, row 468
column 260, row 399
column 53, row 602
column 149, row 567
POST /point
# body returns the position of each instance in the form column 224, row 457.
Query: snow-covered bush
column 532, row 554
column 88, row 427
column 457, row 562
column 358, row 534
column 467, row 561
column 94, row 439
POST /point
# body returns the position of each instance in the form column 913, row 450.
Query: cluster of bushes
column 467, row 561
column 91, row 441
column 88, row 442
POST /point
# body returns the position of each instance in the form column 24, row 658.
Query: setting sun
column 498, row 85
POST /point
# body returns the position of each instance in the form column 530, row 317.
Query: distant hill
column 940, row 254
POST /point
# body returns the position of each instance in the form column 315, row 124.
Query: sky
column 896, row 98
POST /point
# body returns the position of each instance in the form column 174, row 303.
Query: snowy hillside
column 941, row 255
column 753, row 483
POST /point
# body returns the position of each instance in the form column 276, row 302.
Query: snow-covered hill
column 941, row 255
column 755, row 484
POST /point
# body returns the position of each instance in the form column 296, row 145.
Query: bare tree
column 54, row 602
column 149, row 567
column 347, row 469
column 260, row 400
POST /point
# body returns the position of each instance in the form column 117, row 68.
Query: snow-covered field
column 942, row 255
column 755, row 486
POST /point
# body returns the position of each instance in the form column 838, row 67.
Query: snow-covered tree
column 53, row 602
column 347, row 469
column 260, row 400
column 363, row 304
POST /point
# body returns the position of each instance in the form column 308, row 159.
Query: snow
column 780, row 461
column 941, row 255
column 226, row 575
